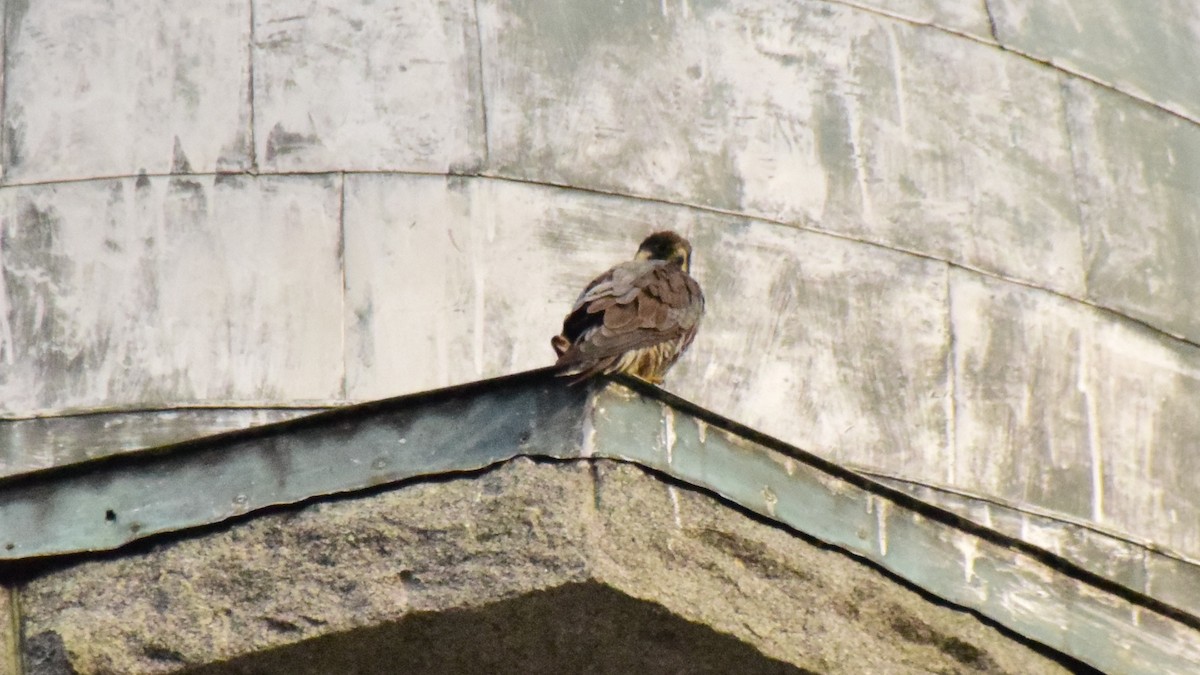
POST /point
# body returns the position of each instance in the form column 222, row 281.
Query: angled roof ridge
column 106, row 503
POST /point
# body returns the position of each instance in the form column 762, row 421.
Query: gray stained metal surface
column 103, row 504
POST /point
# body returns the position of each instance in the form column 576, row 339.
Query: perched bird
column 636, row 318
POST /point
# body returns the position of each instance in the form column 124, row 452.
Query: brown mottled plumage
column 636, row 318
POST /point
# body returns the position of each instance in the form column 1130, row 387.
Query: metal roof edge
column 1031, row 591
column 928, row 509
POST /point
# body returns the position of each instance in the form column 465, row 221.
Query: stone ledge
column 576, row 548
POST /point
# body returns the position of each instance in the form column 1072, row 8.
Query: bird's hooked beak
column 684, row 256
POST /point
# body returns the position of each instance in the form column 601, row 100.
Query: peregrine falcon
column 636, row 318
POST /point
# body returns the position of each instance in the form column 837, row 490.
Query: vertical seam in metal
column 1077, row 172
column 252, row 122
column 481, row 90
column 5, row 137
column 991, row 18
column 345, row 319
column 951, row 380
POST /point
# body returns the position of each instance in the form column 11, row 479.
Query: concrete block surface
column 367, row 86
column 807, row 112
column 95, row 88
column 1143, row 48
column 153, row 292
column 1138, row 169
column 1064, row 407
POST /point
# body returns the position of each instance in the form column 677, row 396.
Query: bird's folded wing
column 634, row 305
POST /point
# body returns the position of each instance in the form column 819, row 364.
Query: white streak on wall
column 480, row 275
column 950, row 397
column 1092, row 420
column 7, row 347
column 898, row 80
column 858, row 149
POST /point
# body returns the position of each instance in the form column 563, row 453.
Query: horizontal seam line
column 682, row 204
column 1040, row 60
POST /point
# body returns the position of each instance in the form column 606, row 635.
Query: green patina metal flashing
column 1138, row 565
column 103, row 504
column 79, row 437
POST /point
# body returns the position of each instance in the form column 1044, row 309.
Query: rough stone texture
column 1143, row 48
column 1070, row 408
column 801, row 603
column 341, row 566
column 45, row 654
column 1138, row 168
column 803, row 112
column 357, row 85
column 10, row 652
column 153, row 292
column 324, row 569
column 863, row 377
column 96, row 88
column 37, row 443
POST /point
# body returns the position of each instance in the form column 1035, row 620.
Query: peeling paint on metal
column 969, row 547
column 668, row 432
column 880, row 508
column 770, row 500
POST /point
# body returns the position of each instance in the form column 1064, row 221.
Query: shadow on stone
column 574, row 628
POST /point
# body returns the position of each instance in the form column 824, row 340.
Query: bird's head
column 666, row 246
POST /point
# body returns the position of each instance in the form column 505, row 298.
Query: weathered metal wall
column 947, row 241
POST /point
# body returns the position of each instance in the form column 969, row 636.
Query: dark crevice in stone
column 163, row 654
column 46, row 654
